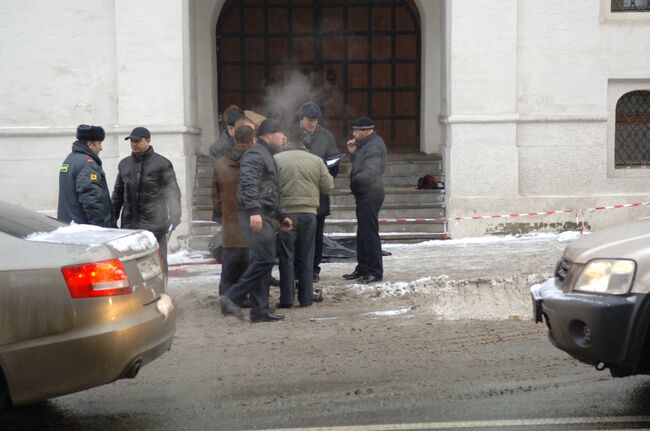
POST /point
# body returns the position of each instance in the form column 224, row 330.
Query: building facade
column 533, row 106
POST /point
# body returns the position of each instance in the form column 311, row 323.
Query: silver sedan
column 80, row 306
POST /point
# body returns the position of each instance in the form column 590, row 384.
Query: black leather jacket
column 258, row 191
column 146, row 193
column 368, row 165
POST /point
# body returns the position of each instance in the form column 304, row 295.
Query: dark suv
column 597, row 305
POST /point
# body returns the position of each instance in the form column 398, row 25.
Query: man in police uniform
column 368, row 157
column 84, row 197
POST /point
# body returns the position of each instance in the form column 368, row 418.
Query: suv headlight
column 614, row 276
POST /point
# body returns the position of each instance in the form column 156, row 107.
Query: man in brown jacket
column 234, row 254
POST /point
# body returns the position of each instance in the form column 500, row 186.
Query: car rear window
column 21, row 222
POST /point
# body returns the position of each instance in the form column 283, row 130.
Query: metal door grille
column 366, row 51
column 632, row 142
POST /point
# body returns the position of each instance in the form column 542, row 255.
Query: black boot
column 266, row 316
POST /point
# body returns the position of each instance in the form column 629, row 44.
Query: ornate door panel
column 362, row 55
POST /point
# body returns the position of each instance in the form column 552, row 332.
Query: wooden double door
column 353, row 57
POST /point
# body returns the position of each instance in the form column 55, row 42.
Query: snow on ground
column 472, row 278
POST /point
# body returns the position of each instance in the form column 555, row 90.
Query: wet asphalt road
column 351, row 372
column 338, row 365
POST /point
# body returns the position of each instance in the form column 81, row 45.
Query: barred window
column 632, row 142
column 630, row 5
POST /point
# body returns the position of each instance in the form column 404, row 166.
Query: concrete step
column 401, row 217
column 204, row 183
column 200, row 242
column 408, row 210
column 333, row 225
column 394, row 195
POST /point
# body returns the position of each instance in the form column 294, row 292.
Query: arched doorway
column 360, row 57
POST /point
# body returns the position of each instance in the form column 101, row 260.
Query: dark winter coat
column 218, row 149
column 322, row 143
column 224, row 195
column 258, row 191
column 146, row 193
column 368, row 165
column 83, row 191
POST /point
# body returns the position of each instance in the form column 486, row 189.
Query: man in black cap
column 146, row 193
column 321, row 142
column 84, row 197
column 368, row 156
column 227, row 137
column 258, row 198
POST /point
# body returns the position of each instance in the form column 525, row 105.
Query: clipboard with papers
column 333, row 161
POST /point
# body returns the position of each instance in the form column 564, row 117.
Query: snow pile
column 386, row 289
column 188, row 256
column 389, row 313
column 498, row 298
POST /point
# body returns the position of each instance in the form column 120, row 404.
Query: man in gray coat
column 320, row 142
column 368, row 156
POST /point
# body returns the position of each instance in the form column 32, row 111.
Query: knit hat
column 90, row 133
column 363, row 123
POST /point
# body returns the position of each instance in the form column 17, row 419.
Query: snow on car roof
column 121, row 240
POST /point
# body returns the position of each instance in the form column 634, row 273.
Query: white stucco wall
column 103, row 62
column 532, row 89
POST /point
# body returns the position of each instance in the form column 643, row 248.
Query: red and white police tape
column 579, row 213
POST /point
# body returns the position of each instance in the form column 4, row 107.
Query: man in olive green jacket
column 302, row 177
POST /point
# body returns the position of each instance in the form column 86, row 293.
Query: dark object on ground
column 316, row 278
column 341, row 249
column 275, row 282
column 430, row 181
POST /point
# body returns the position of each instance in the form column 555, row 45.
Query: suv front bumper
column 591, row 327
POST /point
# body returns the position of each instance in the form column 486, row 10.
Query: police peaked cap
column 309, row 110
column 90, row 133
column 363, row 123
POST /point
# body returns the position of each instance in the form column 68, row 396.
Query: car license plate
column 149, row 268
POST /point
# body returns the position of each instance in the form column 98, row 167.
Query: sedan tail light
column 106, row 278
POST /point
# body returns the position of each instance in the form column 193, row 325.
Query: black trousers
column 257, row 276
column 296, row 250
column 318, row 245
column 369, row 258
